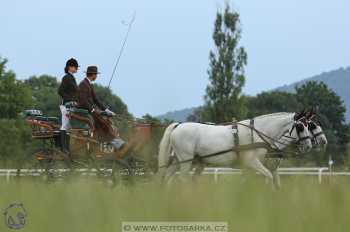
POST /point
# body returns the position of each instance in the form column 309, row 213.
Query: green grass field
column 86, row 205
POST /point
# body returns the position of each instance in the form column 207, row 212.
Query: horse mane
column 273, row 114
column 257, row 117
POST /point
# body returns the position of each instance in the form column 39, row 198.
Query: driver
column 89, row 101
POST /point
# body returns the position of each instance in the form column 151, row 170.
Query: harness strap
column 272, row 148
column 264, row 137
column 235, row 135
column 234, row 149
column 317, row 134
column 171, row 160
column 237, row 147
column 251, row 130
column 252, row 146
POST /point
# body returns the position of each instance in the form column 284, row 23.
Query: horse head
column 300, row 132
column 315, row 127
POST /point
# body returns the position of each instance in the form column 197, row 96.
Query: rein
column 313, row 126
column 103, row 126
column 264, row 136
column 317, row 134
column 272, row 148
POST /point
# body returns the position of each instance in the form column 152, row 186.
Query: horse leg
column 185, row 167
column 259, row 167
column 170, row 173
column 275, row 173
column 246, row 173
column 170, row 170
column 276, row 178
column 175, row 165
column 198, row 169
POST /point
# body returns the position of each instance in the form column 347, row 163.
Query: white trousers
column 65, row 119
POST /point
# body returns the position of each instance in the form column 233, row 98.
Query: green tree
column 44, row 89
column 45, row 96
column 16, row 145
column 272, row 102
column 149, row 150
column 111, row 100
column 226, row 73
column 196, row 116
column 14, row 95
column 147, row 118
column 330, row 109
column 124, row 119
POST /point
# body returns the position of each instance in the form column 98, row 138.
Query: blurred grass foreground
column 89, row 205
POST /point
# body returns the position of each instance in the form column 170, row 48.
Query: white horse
column 318, row 138
column 316, row 132
column 182, row 143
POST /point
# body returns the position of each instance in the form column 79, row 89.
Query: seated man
column 88, row 100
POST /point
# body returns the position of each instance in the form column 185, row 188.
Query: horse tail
column 165, row 149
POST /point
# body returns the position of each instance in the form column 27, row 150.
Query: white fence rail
column 216, row 172
column 307, row 171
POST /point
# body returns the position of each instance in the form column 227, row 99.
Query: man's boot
column 67, row 140
column 62, row 139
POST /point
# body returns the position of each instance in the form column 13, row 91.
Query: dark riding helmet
column 72, row 62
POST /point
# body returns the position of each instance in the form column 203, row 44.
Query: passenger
column 68, row 90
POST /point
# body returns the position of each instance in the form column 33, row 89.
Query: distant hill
column 178, row 115
column 337, row 80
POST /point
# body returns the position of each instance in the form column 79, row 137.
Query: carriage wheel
column 56, row 165
column 122, row 173
column 142, row 172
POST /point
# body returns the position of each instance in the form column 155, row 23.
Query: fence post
column 8, row 176
column 216, row 175
column 320, row 172
column 320, row 176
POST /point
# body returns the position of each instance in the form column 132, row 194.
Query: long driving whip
column 122, row 48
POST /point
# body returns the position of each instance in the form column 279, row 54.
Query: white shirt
column 88, row 80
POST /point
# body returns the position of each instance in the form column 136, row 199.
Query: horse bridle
column 274, row 141
column 313, row 126
column 262, row 135
column 295, row 126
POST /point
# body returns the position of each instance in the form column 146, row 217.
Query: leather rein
column 266, row 138
column 271, row 147
column 316, row 123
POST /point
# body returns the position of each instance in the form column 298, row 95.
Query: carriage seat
column 81, row 119
column 38, row 115
column 43, row 127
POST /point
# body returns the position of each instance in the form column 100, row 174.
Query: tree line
column 36, row 92
column 224, row 98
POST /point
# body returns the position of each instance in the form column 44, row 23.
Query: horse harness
column 272, row 148
column 253, row 145
column 313, row 126
column 268, row 142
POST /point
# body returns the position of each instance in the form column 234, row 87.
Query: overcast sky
column 166, row 58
